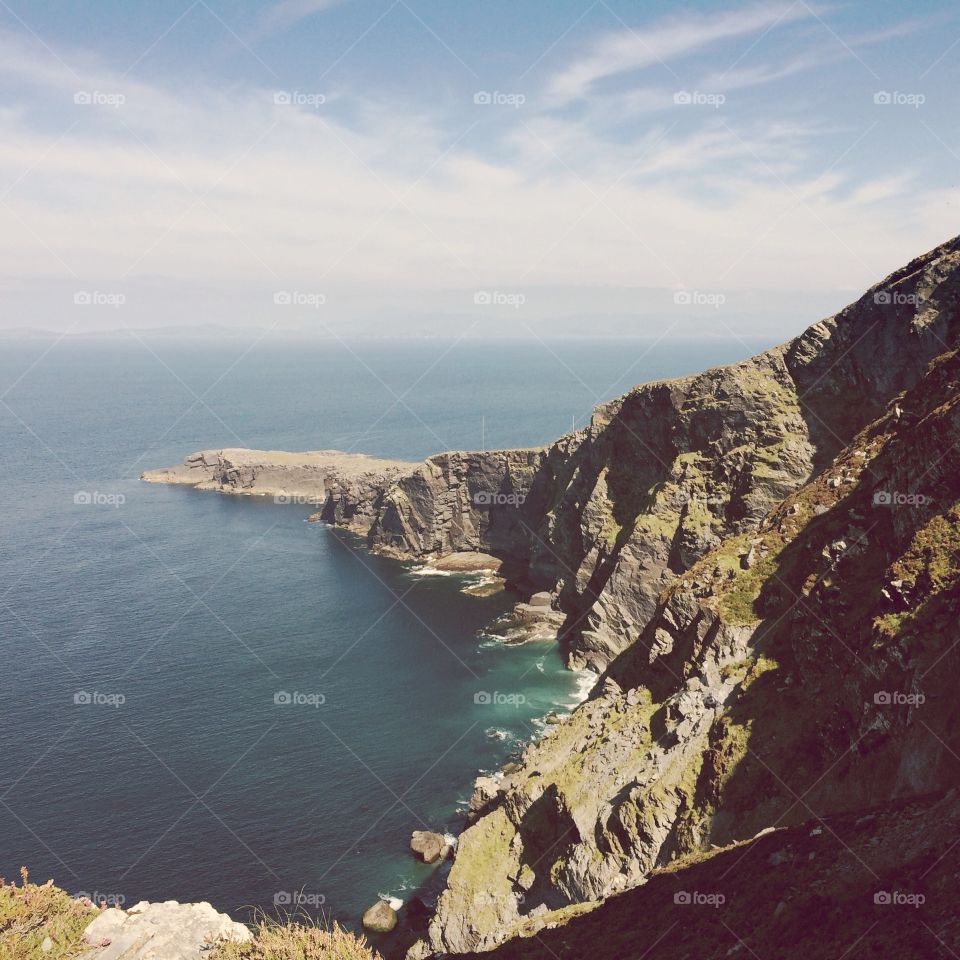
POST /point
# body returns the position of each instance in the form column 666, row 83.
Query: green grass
column 295, row 941
column 30, row 913
column 931, row 562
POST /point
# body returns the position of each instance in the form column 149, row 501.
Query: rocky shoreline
column 699, row 547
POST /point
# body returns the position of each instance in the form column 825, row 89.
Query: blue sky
column 375, row 167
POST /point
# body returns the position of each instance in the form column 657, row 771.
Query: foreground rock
column 429, row 847
column 380, row 918
column 160, row 931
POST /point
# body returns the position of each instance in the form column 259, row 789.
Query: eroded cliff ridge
column 607, row 517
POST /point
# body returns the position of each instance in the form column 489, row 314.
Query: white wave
column 586, row 681
column 428, row 571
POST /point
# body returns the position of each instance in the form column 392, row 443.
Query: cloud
column 288, row 12
column 224, row 190
column 628, row 50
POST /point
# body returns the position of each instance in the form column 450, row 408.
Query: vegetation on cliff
column 38, row 920
column 295, row 941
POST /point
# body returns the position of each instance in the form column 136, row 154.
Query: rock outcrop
column 380, row 918
column 824, row 889
column 160, row 931
column 348, row 487
column 429, row 847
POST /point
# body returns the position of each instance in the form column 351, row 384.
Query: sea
column 204, row 696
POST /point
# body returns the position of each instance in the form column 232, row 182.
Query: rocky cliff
column 761, row 562
column 800, row 668
column 609, row 516
column 349, row 487
column 825, row 889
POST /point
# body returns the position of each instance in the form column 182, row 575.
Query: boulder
column 170, row 930
column 380, row 918
column 429, row 847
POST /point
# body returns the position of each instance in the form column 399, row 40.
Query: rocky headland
column 761, row 563
column 348, row 486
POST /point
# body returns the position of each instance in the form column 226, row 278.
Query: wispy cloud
column 628, row 50
column 230, row 191
column 283, row 15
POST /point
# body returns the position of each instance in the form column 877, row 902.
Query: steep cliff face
column 462, row 501
column 801, row 668
column 607, row 517
column 818, row 891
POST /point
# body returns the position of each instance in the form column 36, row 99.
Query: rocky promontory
column 348, row 486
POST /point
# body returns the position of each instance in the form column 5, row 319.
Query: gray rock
column 429, row 847
column 380, row 918
column 159, row 931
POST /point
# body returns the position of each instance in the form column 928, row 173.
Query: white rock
column 159, row 931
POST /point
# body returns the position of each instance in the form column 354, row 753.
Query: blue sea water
column 181, row 615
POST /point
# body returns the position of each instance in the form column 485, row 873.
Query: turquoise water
column 182, row 615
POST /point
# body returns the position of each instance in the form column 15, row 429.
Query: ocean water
column 145, row 635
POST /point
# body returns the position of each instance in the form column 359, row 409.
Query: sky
column 380, row 168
